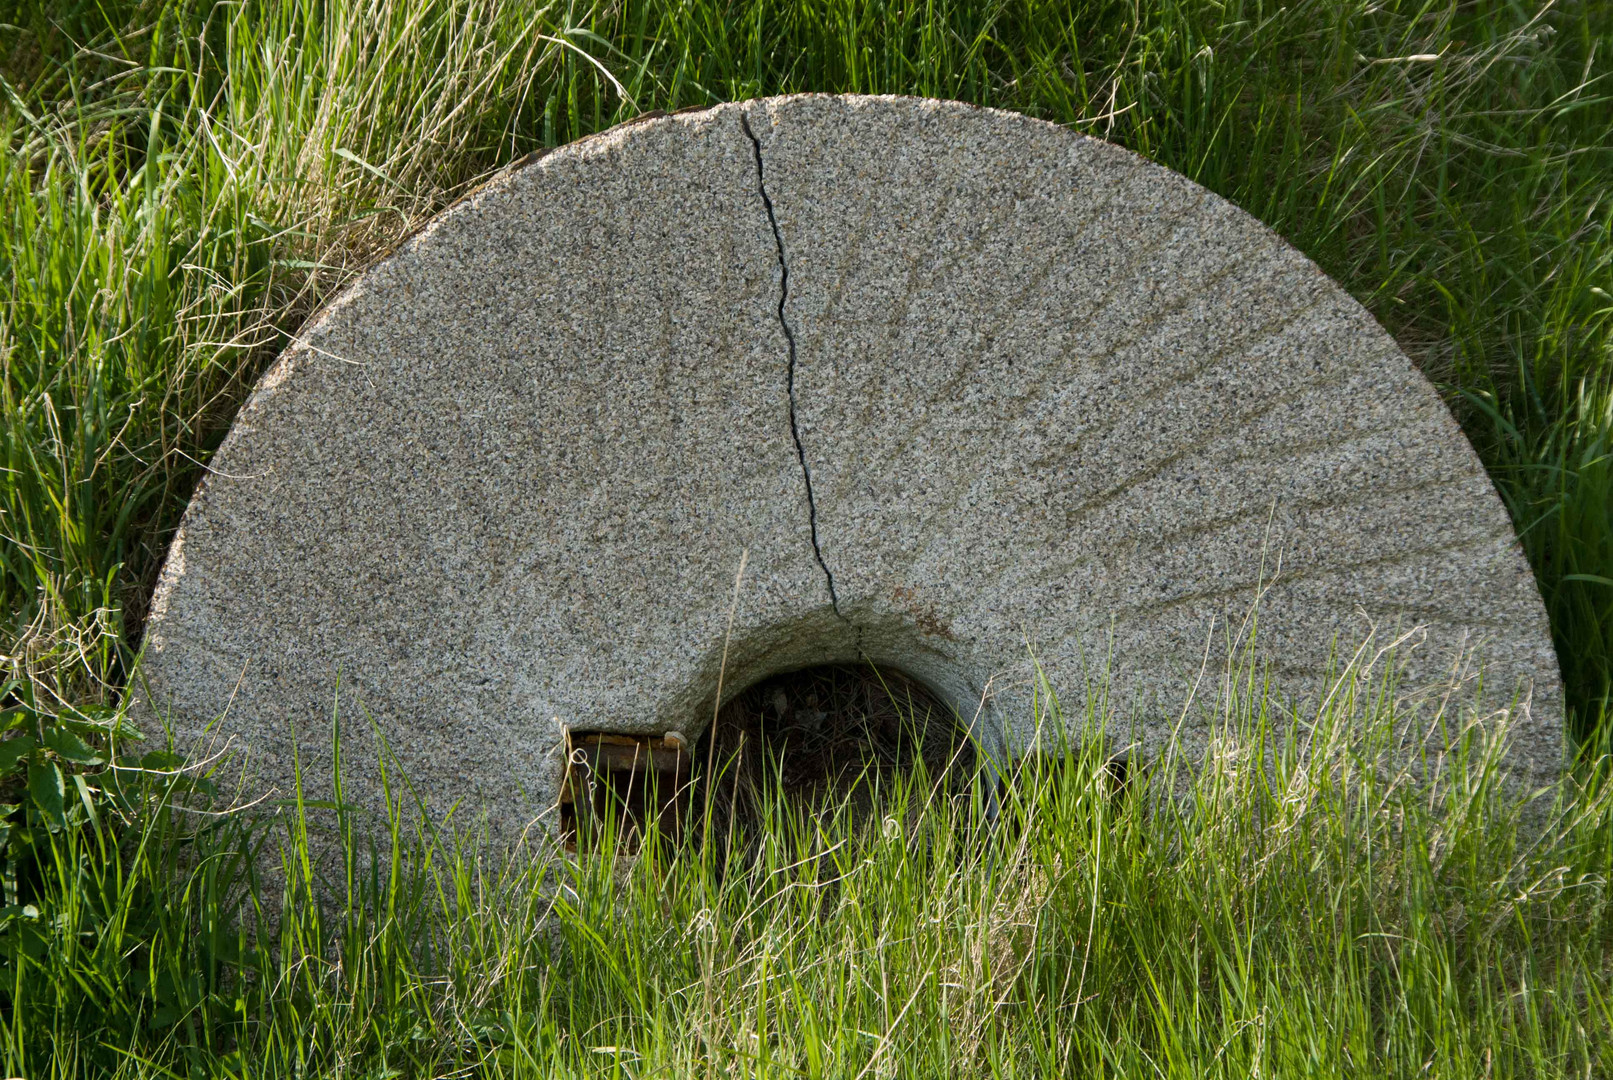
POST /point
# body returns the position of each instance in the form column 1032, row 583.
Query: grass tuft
column 1297, row 899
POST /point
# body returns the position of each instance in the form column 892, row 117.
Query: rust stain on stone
column 927, row 617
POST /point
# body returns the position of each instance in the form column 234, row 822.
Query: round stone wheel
column 971, row 394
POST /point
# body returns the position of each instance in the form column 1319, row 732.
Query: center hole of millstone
column 826, row 742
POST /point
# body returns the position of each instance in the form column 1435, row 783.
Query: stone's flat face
column 508, row 477
column 1042, row 396
column 1065, row 397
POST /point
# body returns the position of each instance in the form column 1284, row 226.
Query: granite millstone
column 974, row 393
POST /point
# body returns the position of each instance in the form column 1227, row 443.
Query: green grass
column 1314, row 910
column 184, row 182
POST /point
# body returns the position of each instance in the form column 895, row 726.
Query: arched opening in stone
column 830, row 740
column 827, row 740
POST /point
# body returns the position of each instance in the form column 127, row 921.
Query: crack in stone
column 789, row 336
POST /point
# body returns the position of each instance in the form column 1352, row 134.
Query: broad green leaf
column 161, row 760
column 98, row 720
column 13, row 751
column 70, row 747
column 90, row 727
column 49, row 790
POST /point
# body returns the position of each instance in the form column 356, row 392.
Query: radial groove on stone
column 1052, row 398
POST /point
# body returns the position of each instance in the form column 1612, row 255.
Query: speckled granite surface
column 966, row 386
